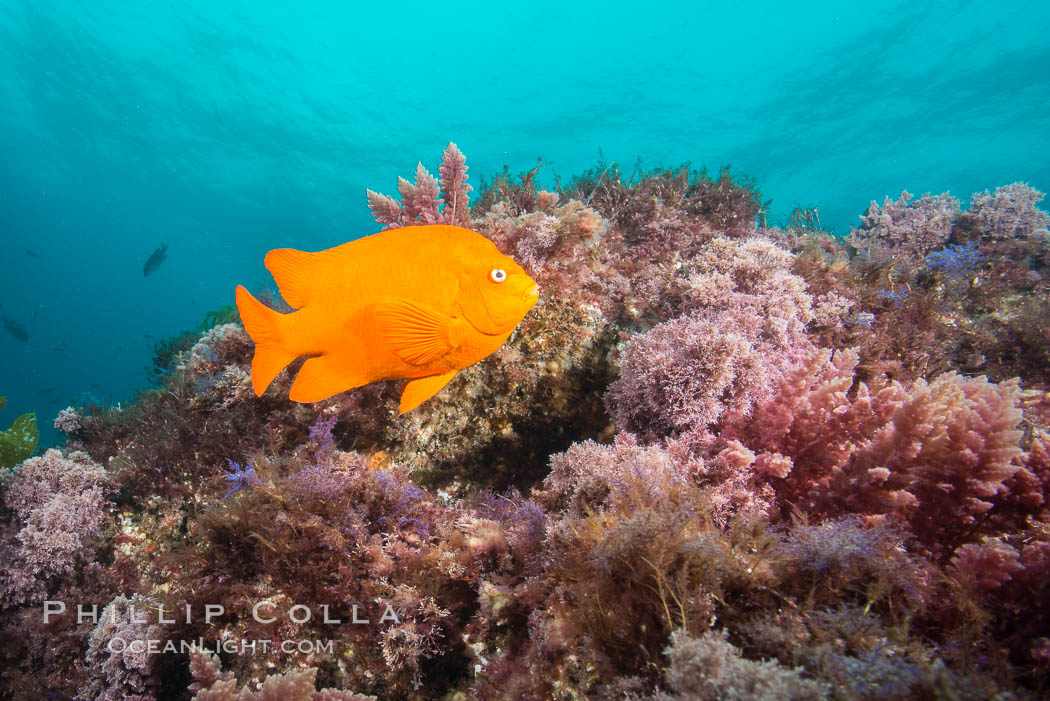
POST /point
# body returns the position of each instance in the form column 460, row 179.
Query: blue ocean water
column 227, row 129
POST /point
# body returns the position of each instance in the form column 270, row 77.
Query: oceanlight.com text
column 233, row 647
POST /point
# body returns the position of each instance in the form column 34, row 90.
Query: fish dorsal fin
column 416, row 333
column 418, row 391
column 293, row 270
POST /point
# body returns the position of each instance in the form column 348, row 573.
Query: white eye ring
column 498, row 275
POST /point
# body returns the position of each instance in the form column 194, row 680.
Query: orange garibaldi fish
column 418, row 303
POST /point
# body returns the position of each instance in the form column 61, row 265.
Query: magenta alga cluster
column 56, row 505
column 718, row 460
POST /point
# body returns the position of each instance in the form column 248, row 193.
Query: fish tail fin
column 264, row 326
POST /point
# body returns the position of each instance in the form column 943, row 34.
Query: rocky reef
column 719, row 460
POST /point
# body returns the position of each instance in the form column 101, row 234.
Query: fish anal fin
column 418, row 391
column 416, row 333
column 319, row 379
column 292, row 270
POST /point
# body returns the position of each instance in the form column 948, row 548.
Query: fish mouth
column 533, row 292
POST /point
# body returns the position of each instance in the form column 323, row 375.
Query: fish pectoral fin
column 416, row 333
column 320, row 378
column 418, row 391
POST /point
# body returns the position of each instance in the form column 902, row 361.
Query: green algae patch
column 18, row 442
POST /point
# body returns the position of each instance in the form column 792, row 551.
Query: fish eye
column 498, row 275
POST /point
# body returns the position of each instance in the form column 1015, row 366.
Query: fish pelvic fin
column 292, row 270
column 418, row 391
column 264, row 326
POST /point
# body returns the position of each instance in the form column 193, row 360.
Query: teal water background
column 225, row 129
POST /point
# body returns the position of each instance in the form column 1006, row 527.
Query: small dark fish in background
column 46, row 390
column 30, row 253
column 155, row 259
column 16, row 330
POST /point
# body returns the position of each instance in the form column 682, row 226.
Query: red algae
column 718, row 458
